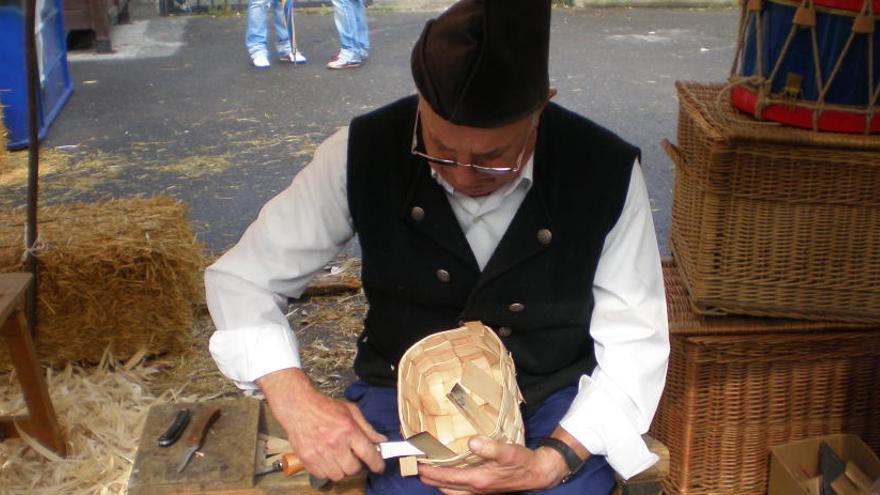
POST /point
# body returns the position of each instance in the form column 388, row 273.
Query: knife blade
column 197, row 437
column 400, row 448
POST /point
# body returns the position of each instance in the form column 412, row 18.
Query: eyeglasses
column 452, row 163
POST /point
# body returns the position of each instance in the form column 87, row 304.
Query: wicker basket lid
column 473, row 361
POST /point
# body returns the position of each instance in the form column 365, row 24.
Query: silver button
column 545, row 236
column 505, row 331
column 393, row 367
column 516, row 307
column 442, row 275
column 417, row 213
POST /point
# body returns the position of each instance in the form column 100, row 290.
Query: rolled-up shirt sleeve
column 296, row 233
column 629, row 326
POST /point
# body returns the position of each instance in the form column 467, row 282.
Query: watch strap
column 572, row 460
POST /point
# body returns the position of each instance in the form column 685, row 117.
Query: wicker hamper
column 774, row 221
column 739, row 385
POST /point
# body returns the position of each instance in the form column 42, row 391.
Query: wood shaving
column 102, row 411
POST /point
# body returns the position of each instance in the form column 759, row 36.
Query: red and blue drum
column 812, row 64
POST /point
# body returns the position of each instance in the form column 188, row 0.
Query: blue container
column 55, row 84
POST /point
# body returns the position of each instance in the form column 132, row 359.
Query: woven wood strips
column 474, row 358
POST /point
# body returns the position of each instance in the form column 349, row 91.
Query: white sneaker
column 338, row 62
column 260, row 61
column 294, row 58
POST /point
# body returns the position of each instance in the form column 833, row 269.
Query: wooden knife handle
column 200, row 426
column 291, row 464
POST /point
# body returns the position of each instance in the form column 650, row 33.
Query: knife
column 290, row 464
column 175, row 429
column 197, row 437
column 420, row 444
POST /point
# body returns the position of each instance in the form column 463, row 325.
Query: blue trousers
column 379, row 406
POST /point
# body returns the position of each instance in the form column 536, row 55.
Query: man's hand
column 330, row 436
column 508, row 468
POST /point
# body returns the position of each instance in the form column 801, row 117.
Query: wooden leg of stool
column 41, row 422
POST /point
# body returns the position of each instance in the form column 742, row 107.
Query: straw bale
column 101, row 411
column 123, row 274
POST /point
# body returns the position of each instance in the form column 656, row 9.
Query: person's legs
column 255, row 34
column 361, row 32
column 282, row 35
column 344, row 16
column 596, row 477
column 379, row 406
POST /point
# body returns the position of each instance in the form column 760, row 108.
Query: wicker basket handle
column 673, row 151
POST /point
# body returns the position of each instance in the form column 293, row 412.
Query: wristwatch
column 572, row 460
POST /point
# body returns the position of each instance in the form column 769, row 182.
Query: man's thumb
column 484, row 447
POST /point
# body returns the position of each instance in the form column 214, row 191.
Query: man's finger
column 447, row 477
column 365, row 425
column 366, row 452
column 447, row 491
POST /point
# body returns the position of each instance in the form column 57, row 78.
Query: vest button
column 516, row 307
column 505, row 331
column 417, row 213
column 545, row 236
column 442, row 275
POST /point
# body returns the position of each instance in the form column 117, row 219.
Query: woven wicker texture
column 774, row 221
column 737, row 386
column 429, row 370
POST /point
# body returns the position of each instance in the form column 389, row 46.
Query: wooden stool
column 40, row 423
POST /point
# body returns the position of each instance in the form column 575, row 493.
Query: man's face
column 495, row 147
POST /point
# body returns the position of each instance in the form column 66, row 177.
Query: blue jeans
column 255, row 37
column 379, row 406
column 351, row 23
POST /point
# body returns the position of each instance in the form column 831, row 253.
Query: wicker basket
column 774, row 221
column 429, row 370
column 738, row 386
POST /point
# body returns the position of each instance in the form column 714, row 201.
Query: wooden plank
column 12, row 287
column 227, row 455
column 7, row 426
column 41, row 422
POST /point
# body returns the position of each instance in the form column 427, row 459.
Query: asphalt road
column 178, row 110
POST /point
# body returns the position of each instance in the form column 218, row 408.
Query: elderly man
column 477, row 199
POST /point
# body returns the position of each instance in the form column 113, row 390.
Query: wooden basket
column 737, row 386
column 774, row 221
column 472, row 356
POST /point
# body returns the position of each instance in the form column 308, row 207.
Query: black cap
column 483, row 63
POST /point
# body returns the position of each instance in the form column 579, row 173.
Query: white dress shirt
column 308, row 224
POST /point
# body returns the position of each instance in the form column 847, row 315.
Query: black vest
column 420, row 275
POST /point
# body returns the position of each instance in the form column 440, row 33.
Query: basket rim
column 753, row 130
